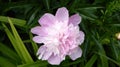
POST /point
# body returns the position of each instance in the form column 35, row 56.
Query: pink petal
column 81, row 37
column 41, row 31
column 41, row 52
column 75, row 53
column 47, row 20
column 62, row 15
column 75, row 19
column 36, row 30
column 38, row 39
column 47, row 54
column 54, row 60
column 41, row 49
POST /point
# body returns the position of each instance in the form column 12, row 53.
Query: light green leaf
column 21, row 46
column 12, row 40
column 91, row 61
column 15, row 21
column 34, row 45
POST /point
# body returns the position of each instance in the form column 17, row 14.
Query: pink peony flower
column 60, row 35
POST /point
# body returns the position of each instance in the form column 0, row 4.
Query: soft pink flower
column 60, row 35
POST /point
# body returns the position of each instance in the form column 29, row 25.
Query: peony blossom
column 60, row 35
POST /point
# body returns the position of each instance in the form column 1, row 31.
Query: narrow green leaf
column 12, row 40
column 113, row 48
column 72, row 63
column 15, row 21
column 9, row 52
column 35, row 64
column 117, row 63
column 91, row 61
column 98, row 44
column 115, row 25
column 85, row 49
column 74, row 2
column 6, row 63
column 104, row 61
column 33, row 16
column 87, row 17
column 21, row 46
column 34, row 45
column 47, row 4
column 90, row 7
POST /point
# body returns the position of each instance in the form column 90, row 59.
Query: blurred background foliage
column 100, row 22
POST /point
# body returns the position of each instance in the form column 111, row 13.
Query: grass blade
column 117, row 63
column 91, row 61
column 21, row 46
column 5, row 62
column 9, row 52
column 12, row 40
column 15, row 21
column 104, row 61
column 35, row 64
column 34, row 45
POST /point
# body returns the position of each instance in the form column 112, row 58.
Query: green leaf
column 72, row 63
column 117, row 63
column 9, row 52
column 6, row 62
column 35, row 64
column 47, row 4
column 91, row 61
column 21, row 46
column 12, row 40
column 104, row 61
column 33, row 16
column 15, row 21
column 114, row 49
column 115, row 25
column 34, row 45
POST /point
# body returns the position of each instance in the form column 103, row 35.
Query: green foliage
column 17, row 43
column 19, row 21
column 35, row 64
column 91, row 61
column 9, row 53
column 100, row 22
column 112, row 7
column 4, row 62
